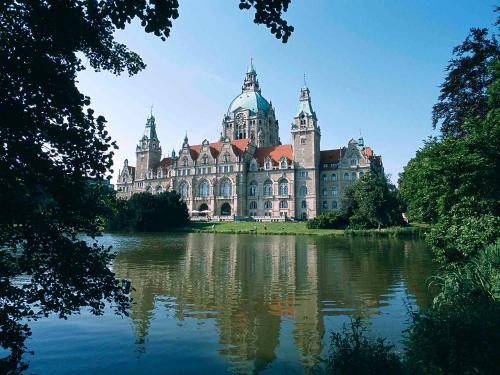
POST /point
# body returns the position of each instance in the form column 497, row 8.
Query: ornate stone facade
column 248, row 172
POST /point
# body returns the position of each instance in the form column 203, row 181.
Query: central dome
column 251, row 100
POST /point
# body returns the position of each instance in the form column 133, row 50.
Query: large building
column 248, row 172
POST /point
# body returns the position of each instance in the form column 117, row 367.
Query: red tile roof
column 367, row 151
column 274, row 152
column 165, row 163
column 238, row 145
column 331, row 156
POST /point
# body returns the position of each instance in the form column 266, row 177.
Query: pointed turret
column 251, row 83
column 150, row 129
column 305, row 101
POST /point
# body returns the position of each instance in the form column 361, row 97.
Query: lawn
column 300, row 228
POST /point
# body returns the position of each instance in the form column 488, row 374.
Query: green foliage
column 145, row 212
column 459, row 333
column 462, row 234
column 446, row 172
column 464, row 92
column 329, row 220
column 372, row 202
column 352, row 352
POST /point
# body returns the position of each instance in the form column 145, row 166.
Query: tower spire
column 305, row 100
column 251, row 83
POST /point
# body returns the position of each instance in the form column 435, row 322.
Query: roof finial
column 305, row 83
column 251, row 69
column 151, row 111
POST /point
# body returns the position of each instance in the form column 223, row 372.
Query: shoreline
column 299, row 228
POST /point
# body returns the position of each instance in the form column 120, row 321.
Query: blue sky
column 371, row 66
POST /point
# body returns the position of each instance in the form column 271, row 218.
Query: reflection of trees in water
column 249, row 284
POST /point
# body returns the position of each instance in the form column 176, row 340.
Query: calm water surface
column 213, row 303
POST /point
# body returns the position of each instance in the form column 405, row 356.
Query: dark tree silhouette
column 56, row 152
column 463, row 93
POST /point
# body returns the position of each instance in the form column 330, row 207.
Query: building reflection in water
column 252, row 285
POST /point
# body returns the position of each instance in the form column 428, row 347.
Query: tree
column 446, row 171
column 53, row 144
column 371, row 202
column 464, row 92
column 145, row 212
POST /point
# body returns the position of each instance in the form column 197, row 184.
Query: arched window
column 334, row 177
column 346, row 176
column 268, row 204
column 183, row 190
column 354, row 162
column 303, row 190
column 253, row 165
column 268, row 165
column 325, row 191
column 204, row 160
column 324, row 177
column 225, row 188
column 283, row 204
column 253, row 205
column 361, row 174
column 185, row 162
column 325, row 204
column 304, row 204
column 353, row 176
column 334, row 204
column 268, row 188
column 226, row 157
column 253, row 189
column 334, row 191
column 283, row 186
column 283, row 163
column 203, row 189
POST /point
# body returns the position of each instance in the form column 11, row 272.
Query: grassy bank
column 293, row 228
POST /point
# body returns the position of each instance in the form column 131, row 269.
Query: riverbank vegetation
column 301, row 228
column 452, row 183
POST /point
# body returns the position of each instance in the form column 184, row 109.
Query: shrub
column 351, row 352
column 330, row 220
column 463, row 233
column 459, row 333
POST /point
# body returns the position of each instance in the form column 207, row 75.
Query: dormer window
column 283, row 163
column 268, row 165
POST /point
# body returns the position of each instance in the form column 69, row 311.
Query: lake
column 215, row 303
